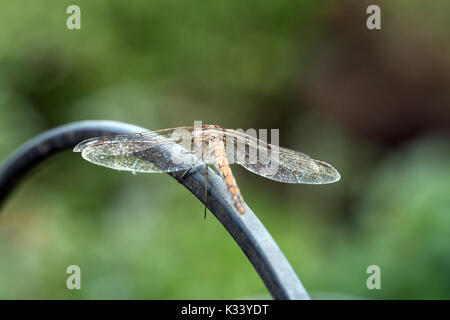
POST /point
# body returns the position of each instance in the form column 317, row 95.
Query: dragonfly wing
column 284, row 167
column 169, row 135
column 144, row 152
column 281, row 164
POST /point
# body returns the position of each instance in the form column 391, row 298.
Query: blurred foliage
column 374, row 104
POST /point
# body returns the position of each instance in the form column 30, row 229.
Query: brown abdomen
column 233, row 189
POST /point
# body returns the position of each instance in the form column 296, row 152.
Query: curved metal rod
column 249, row 233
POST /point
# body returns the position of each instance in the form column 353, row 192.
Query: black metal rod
column 249, row 233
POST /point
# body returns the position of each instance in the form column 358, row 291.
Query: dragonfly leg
column 184, row 174
column 206, row 190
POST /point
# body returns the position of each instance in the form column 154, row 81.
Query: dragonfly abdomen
column 230, row 181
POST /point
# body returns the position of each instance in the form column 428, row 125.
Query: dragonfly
column 184, row 148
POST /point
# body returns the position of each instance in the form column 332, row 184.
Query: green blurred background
column 375, row 104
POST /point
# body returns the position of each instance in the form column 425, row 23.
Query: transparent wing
column 152, row 151
column 279, row 164
column 150, row 136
